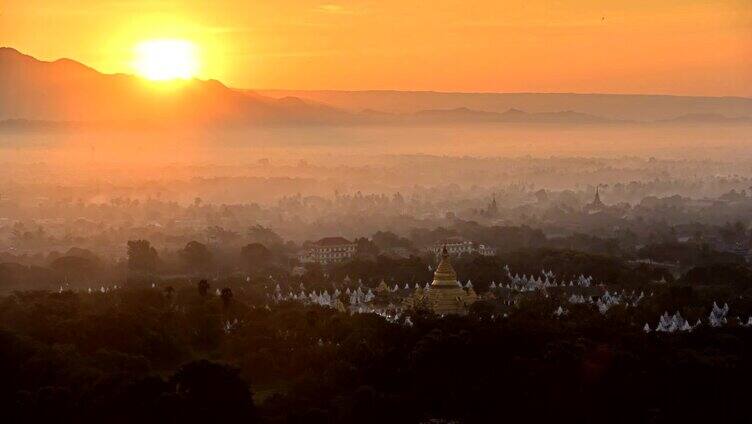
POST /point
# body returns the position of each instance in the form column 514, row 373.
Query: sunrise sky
column 699, row 47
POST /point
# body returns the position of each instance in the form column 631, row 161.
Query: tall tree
column 256, row 257
column 142, row 256
column 366, row 249
column 226, row 296
column 196, row 257
column 264, row 235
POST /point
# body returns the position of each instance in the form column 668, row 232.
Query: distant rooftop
column 333, row 241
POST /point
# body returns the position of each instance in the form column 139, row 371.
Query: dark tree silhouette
column 142, row 257
column 366, row 249
column 76, row 268
column 203, row 288
column 262, row 235
column 256, row 256
column 169, row 291
column 226, row 296
column 213, row 392
column 196, row 257
column 388, row 240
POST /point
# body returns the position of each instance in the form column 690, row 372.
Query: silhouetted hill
column 646, row 108
column 712, row 118
column 36, row 95
column 67, row 91
column 22, row 125
column 464, row 114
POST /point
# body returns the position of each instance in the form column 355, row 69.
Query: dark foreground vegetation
column 183, row 354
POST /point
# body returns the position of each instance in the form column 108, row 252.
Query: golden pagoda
column 446, row 295
column 382, row 287
column 417, row 300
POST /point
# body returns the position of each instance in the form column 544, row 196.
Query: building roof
column 454, row 240
column 333, row 241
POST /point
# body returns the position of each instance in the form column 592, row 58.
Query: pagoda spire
column 446, row 295
column 445, row 273
column 597, row 200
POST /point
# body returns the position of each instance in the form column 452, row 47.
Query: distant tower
column 597, row 200
column 596, row 205
column 493, row 209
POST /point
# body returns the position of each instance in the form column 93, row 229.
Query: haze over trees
column 142, row 257
column 179, row 258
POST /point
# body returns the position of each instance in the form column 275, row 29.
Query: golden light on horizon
column 681, row 47
column 165, row 60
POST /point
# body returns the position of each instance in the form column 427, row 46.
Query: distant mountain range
column 39, row 95
column 710, row 118
column 68, row 91
column 610, row 107
column 464, row 114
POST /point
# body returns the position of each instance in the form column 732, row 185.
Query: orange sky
column 701, row 47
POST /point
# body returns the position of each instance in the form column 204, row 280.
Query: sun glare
column 164, row 60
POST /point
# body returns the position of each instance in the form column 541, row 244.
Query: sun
column 164, row 60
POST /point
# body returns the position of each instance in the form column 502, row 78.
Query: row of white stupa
column 675, row 323
column 671, row 324
column 605, row 302
column 667, row 323
column 358, row 299
column 547, row 281
column 104, row 289
column 523, row 283
column 101, row 289
column 358, row 296
column 355, row 297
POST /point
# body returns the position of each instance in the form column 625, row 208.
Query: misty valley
column 462, row 212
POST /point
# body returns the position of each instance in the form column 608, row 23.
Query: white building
column 328, row 250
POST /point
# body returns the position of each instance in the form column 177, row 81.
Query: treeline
column 177, row 354
column 261, row 265
column 384, row 255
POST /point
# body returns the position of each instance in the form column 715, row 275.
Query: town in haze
column 375, row 212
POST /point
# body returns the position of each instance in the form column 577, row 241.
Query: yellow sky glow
column 699, row 47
